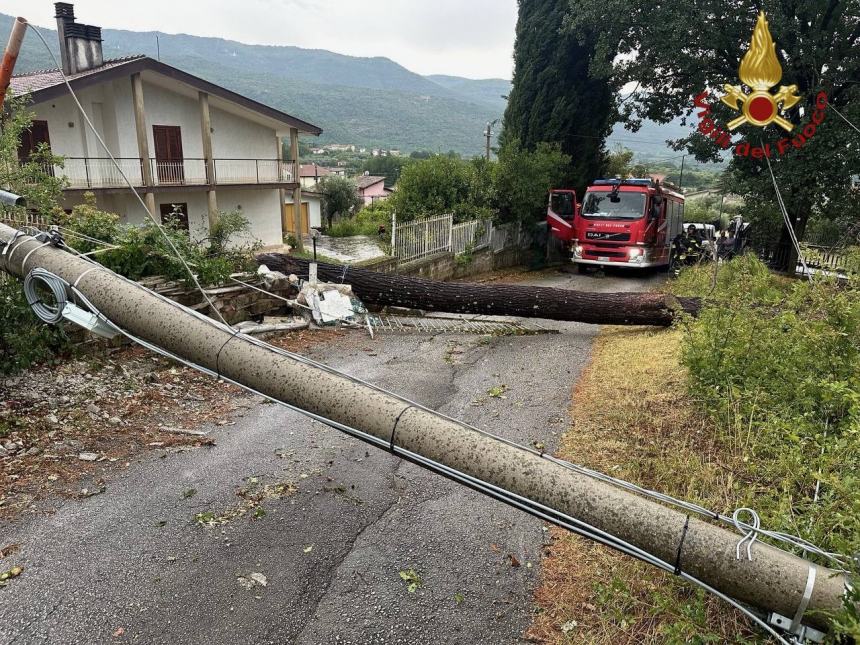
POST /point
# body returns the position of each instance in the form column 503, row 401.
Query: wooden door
column 288, row 224
column 31, row 139
column 177, row 213
column 169, row 165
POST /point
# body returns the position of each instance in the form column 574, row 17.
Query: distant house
column 371, row 188
column 190, row 147
column 311, row 173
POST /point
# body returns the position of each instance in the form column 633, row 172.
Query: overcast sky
column 472, row 38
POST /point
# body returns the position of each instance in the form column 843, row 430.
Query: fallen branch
column 387, row 289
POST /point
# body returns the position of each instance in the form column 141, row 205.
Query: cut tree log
column 388, row 289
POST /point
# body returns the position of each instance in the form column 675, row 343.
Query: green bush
column 88, row 221
column 143, row 251
column 777, row 363
column 366, row 222
column 24, row 339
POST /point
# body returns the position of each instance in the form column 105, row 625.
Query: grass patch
column 634, row 420
column 308, row 254
column 755, row 403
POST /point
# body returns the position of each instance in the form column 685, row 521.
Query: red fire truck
column 620, row 222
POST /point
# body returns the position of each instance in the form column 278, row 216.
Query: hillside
column 371, row 102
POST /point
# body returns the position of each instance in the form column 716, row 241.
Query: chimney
column 80, row 45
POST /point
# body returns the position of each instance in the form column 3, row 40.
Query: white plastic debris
column 330, row 303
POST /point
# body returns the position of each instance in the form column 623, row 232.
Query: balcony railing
column 96, row 172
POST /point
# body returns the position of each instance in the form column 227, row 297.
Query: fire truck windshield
column 628, row 205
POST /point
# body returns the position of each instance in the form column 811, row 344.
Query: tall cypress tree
column 554, row 97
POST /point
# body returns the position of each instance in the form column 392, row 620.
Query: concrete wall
column 447, row 266
column 260, row 207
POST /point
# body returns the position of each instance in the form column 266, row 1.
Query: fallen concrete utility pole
column 771, row 580
column 386, row 289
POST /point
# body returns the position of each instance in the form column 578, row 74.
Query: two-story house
column 187, row 145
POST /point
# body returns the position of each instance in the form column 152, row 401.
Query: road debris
column 413, row 580
column 6, row 576
column 252, row 580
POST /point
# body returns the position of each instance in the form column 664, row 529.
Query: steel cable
column 58, row 287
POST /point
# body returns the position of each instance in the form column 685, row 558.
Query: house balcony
column 96, row 173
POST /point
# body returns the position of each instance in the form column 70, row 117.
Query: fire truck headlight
column 577, row 251
column 635, row 253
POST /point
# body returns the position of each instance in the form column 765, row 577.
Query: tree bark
column 495, row 299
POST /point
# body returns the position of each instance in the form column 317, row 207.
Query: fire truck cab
column 621, row 222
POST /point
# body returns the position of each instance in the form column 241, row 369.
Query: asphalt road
column 132, row 565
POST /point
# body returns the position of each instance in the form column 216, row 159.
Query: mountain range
column 372, row 102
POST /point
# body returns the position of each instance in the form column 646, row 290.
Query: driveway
column 351, row 546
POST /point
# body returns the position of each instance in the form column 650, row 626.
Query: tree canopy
column 670, row 52
column 339, row 197
column 554, row 97
column 443, row 184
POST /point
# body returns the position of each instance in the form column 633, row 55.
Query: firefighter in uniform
column 688, row 247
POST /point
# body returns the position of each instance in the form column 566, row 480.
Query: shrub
column 366, row 222
column 777, row 364
column 24, row 339
column 142, row 250
column 88, row 221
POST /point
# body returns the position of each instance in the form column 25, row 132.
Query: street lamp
column 315, row 233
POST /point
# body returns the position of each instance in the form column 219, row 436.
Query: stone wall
column 235, row 302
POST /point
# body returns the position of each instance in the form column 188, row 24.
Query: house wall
column 109, row 106
column 376, row 191
column 314, row 208
column 260, row 207
column 310, row 183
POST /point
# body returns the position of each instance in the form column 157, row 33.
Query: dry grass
column 633, row 419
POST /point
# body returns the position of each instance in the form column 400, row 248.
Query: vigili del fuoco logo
column 760, row 71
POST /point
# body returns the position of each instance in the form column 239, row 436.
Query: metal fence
column 470, row 236
column 95, row 172
column 509, row 236
column 423, row 237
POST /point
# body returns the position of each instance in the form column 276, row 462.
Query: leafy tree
column 32, row 178
column 523, row 179
column 420, row 154
column 444, row 184
column 619, row 162
column 339, row 197
column 388, row 167
column 554, row 96
column 672, row 51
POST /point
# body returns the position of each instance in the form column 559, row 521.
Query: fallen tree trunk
column 494, row 299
